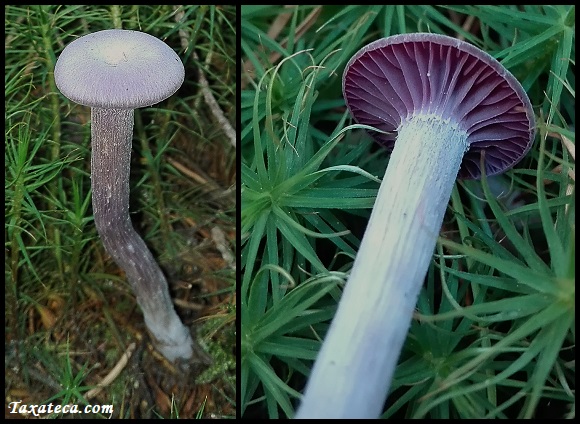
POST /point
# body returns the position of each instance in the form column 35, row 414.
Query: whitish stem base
column 355, row 366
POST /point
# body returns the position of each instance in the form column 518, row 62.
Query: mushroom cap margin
column 394, row 78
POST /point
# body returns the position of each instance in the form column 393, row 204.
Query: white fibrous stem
column 112, row 135
column 353, row 372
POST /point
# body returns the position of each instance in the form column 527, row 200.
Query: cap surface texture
column 395, row 78
column 118, row 69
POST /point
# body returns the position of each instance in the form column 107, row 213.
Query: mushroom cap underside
column 118, row 69
column 395, row 78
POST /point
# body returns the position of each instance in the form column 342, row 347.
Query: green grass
column 61, row 287
column 493, row 334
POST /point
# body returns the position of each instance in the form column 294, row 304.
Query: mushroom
column 114, row 72
column 449, row 103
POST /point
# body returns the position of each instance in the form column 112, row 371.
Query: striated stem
column 112, row 134
column 355, row 366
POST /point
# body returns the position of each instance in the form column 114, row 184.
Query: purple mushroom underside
column 393, row 79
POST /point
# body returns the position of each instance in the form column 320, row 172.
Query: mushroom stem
column 112, row 134
column 355, row 366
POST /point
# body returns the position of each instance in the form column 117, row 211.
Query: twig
column 187, row 305
column 113, row 374
column 207, row 184
column 193, row 175
column 204, row 84
column 219, row 238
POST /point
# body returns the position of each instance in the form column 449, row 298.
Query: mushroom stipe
column 449, row 102
column 114, row 72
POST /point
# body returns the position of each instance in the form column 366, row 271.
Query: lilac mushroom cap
column 396, row 77
column 118, row 69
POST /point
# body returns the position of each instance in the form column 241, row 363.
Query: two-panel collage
column 289, row 212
